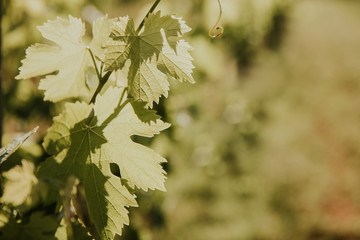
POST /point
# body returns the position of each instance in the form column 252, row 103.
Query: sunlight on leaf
column 101, row 31
column 156, row 52
column 22, row 188
column 102, row 136
column 63, row 64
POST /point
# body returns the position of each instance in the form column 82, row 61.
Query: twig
column 96, row 68
column 150, row 11
column 102, row 82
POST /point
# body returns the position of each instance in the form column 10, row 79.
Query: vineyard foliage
column 265, row 145
column 90, row 141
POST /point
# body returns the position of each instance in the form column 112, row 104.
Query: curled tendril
column 216, row 27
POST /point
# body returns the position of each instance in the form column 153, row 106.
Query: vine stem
column 102, row 82
column 105, row 78
column 123, row 93
column 93, row 59
column 149, row 12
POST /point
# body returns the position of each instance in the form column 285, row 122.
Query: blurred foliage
column 264, row 146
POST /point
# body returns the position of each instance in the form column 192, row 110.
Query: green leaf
column 39, row 227
column 87, row 139
column 79, row 231
column 156, row 52
column 101, row 31
column 144, row 114
column 5, row 152
column 22, row 188
column 64, row 64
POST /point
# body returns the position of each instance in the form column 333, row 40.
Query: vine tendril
column 216, row 27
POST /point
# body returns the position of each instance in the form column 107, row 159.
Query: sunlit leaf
column 156, row 52
column 64, row 64
column 86, row 139
column 21, row 187
column 101, row 31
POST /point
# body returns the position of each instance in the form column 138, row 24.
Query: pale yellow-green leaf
column 86, row 139
column 21, row 187
column 64, row 63
column 101, row 31
column 147, row 82
column 157, row 51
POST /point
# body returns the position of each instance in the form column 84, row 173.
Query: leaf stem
column 101, row 68
column 93, row 59
column 150, row 11
column 123, row 93
column 102, row 82
column 102, row 79
column 124, row 104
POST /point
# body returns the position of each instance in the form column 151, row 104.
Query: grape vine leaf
column 64, row 64
column 5, row 152
column 156, row 53
column 144, row 114
column 101, row 31
column 21, row 187
column 86, row 139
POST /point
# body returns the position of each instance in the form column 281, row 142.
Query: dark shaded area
column 238, row 42
column 277, row 29
column 34, row 107
column 1, row 77
column 129, row 232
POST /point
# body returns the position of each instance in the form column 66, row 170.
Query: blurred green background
column 266, row 144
